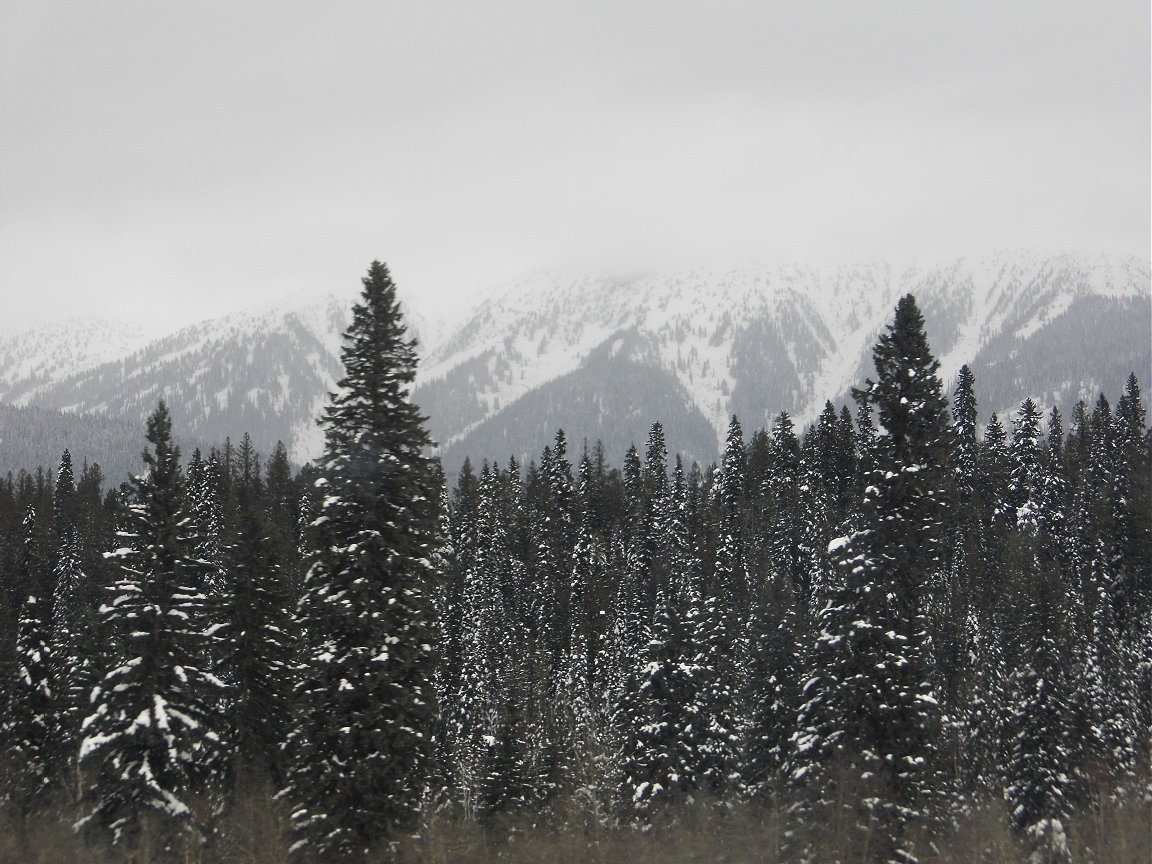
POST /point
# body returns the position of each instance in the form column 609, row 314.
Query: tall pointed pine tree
column 365, row 698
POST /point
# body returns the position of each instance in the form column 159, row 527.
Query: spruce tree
column 964, row 444
column 871, row 717
column 783, row 531
column 151, row 739
column 75, row 647
column 365, row 700
column 256, row 649
column 719, row 639
column 1025, row 479
column 581, row 699
column 1039, row 765
column 31, row 712
column 666, row 753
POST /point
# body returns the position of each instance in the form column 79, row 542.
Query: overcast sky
column 179, row 160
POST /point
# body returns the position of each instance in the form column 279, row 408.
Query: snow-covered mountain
column 604, row 356
column 263, row 371
column 756, row 341
column 33, row 359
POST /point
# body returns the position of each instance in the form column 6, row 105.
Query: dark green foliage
column 151, row 739
column 29, row 719
column 365, row 702
column 870, row 709
column 1039, row 764
column 75, row 655
column 850, row 642
column 257, row 646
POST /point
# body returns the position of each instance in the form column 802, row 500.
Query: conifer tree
column 870, row 705
column 1039, row 767
column 30, row 717
column 964, row 444
column 995, row 473
column 583, row 704
column 256, row 649
column 151, row 739
column 206, row 509
column 1132, row 546
column 280, row 501
column 365, row 700
column 784, row 525
column 1025, row 479
column 74, row 646
column 719, row 641
column 668, row 749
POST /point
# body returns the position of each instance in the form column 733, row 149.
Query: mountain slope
column 40, row 356
column 266, row 373
column 755, row 342
column 603, row 357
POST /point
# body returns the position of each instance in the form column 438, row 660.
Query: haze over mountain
column 600, row 356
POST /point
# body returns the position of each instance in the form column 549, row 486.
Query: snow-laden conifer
column 868, row 725
column 75, row 648
column 365, row 704
column 151, row 741
column 30, row 718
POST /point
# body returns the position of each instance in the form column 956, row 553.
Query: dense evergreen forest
column 904, row 633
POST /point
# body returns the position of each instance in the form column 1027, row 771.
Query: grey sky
column 184, row 159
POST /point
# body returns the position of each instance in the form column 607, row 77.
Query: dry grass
column 253, row 831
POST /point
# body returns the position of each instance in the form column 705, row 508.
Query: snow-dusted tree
column 583, row 700
column 995, row 469
column 980, row 716
column 492, row 727
column 75, row 657
column 1132, row 544
column 1038, row 765
column 548, row 502
column 455, row 556
column 817, row 509
column 30, row 718
column 150, row 740
column 256, row 648
column 719, row 639
column 964, row 444
column 663, row 757
column 870, row 717
column 1025, row 480
column 783, row 531
column 954, row 626
column 205, row 508
column 365, row 701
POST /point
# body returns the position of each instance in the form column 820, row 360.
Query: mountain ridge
column 702, row 344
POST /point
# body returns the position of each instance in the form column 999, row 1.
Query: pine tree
column 280, row 497
column 1025, row 480
column 1132, row 545
column 365, row 701
column 206, row 509
column 256, row 649
column 964, row 444
column 784, row 524
column 666, row 752
column 995, row 469
column 582, row 700
column 721, row 645
column 151, row 738
column 1039, row 769
column 73, row 638
column 870, row 712
column 30, row 717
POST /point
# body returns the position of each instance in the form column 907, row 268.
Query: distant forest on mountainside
column 906, row 632
column 600, row 356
